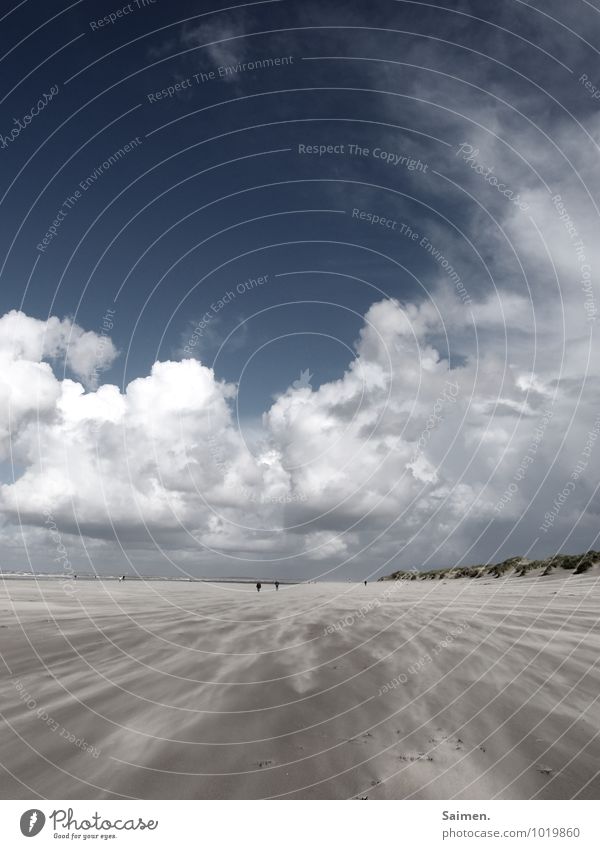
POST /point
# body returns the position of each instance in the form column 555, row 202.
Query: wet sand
column 465, row 689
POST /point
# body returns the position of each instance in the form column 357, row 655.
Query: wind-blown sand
column 214, row 691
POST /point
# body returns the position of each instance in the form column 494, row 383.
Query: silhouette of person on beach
column 258, row 586
column 276, row 585
column 365, row 583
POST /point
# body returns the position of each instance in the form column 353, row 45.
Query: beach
column 449, row 689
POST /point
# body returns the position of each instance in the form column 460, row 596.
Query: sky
column 297, row 290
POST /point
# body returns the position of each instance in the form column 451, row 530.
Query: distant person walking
column 276, row 585
column 365, row 583
column 258, row 586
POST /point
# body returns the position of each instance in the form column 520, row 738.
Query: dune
column 445, row 689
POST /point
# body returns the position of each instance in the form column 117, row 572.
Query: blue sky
column 377, row 164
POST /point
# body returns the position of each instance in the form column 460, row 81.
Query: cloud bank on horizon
column 400, row 451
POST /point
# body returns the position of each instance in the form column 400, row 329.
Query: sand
column 454, row 689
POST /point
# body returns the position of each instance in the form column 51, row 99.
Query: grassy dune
column 513, row 567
